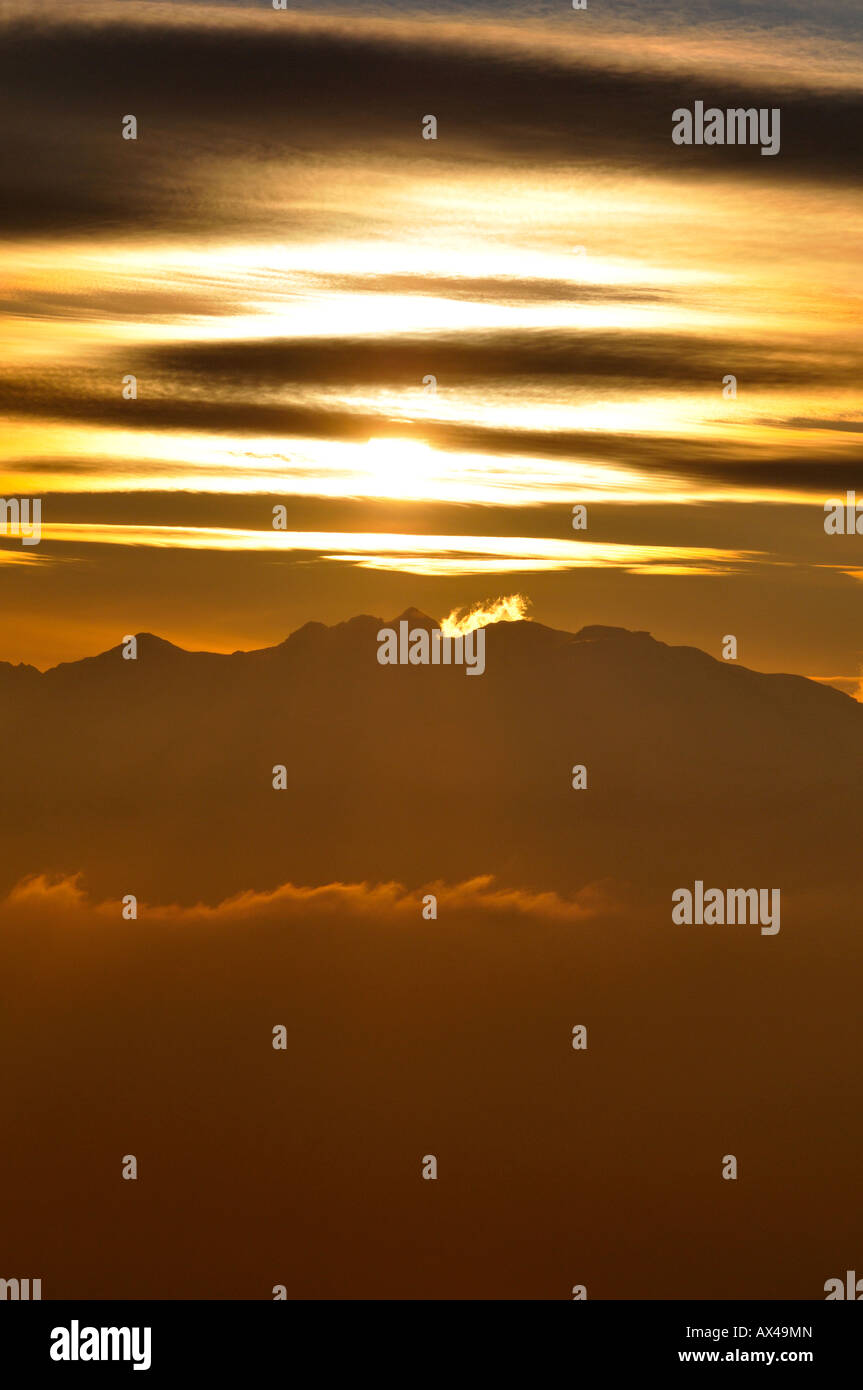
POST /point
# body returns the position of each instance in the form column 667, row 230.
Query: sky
column 429, row 351
column 419, row 356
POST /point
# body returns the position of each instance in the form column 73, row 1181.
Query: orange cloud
column 67, row 898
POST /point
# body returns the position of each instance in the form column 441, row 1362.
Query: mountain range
column 155, row 775
column 408, row 1035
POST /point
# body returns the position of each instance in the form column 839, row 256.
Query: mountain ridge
column 317, row 634
column 159, row 772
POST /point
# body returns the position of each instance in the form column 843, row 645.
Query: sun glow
column 399, row 468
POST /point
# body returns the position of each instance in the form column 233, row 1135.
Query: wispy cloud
column 412, row 554
column 67, row 899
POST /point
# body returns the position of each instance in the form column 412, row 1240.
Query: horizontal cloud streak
column 206, row 90
column 411, row 554
column 67, row 900
column 684, row 360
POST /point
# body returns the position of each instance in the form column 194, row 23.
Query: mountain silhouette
column 407, row 1035
column 155, row 775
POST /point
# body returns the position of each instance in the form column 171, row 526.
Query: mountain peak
column 154, row 643
column 416, row 617
column 597, row 631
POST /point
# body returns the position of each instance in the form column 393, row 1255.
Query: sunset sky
column 286, row 924
column 280, row 259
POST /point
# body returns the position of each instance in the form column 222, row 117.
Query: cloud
column 66, row 899
column 510, row 608
column 297, row 390
column 809, row 422
column 663, row 359
column 415, row 554
column 218, row 97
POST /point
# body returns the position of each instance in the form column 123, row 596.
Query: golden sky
column 428, row 351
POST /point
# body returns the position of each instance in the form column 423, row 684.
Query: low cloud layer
column 66, row 900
